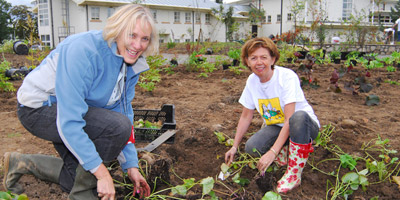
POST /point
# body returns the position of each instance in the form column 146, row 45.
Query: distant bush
column 7, row 46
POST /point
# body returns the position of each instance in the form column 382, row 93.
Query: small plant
column 235, row 55
column 171, row 44
column 390, row 69
column 149, row 78
column 11, row 196
column 5, row 85
column 335, row 56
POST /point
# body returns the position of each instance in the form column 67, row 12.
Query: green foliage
column 335, row 54
column 171, row 44
column 11, row 196
column 5, row 85
column 5, row 19
column 256, row 15
column 271, row 196
column 234, row 54
column 7, row 46
column 347, row 161
column 20, row 19
column 150, row 78
column 227, row 18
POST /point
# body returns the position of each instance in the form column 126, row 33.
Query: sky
column 20, row 2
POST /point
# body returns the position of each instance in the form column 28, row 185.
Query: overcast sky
column 20, row 2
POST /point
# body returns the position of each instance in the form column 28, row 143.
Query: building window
column 198, row 18
column 269, row 19
column 208, row 18
column 176, row 40
column 278, row 18
column 177, row 17
column 95, row 13
column 264, row 19
column 188, row 17
column 45, row 40
column 155, row 15
column 110, row 11
column 187, row 40
column 161, row 41
column 43, row 13
column 347, row 8
column 289, row 16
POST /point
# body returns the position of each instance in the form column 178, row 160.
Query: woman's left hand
column 265, row 161
column 140, row 185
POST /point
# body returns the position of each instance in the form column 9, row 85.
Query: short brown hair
column 124, row 20
column 250, row 46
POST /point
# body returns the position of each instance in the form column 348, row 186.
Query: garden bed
column 205, row 105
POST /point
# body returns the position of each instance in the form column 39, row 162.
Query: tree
column 395, row 12
column 19, row 15
column 227, row 18
column 5, row 19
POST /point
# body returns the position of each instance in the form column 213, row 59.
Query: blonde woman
column 79, row 98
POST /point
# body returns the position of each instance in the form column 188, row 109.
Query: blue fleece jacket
column 81, row 73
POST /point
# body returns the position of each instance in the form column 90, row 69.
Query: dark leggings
column 302, row 128
column 108, row 130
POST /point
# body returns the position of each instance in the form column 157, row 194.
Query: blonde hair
column 250, row 46
column 124, row 21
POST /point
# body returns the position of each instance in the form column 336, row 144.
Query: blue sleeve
column 75, row 70
column 128, row 157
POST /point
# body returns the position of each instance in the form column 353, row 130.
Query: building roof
column 202, row 4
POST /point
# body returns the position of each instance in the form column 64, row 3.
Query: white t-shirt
column 271, row 97
column 398, row 25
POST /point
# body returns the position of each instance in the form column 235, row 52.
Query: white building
column 192, row 20
column 176, row 20
column 332, row 13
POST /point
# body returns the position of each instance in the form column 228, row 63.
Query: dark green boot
column 84, row 186
column 44, row 167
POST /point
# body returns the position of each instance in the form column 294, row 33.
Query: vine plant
column 357, row 176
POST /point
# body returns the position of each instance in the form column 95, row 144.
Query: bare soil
column 205, row 105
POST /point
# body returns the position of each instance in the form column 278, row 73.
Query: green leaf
column 220, row 136
column 229, row 142
column 179, row 189
column 5, row 196
column 23, row 197
column 271, row 196
column 350, row 177
column 224, row 168
column 208, row 185
column 347, row 161
column 372, row 100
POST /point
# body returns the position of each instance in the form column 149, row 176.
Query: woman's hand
column 265, row 161
column 229, row 155
column 140, row 185
column 105, row 185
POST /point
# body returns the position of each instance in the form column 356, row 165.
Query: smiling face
column 260, row 62
column 132, row 45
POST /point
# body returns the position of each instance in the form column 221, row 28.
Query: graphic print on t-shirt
column 271, row 111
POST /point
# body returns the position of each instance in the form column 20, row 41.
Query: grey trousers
column 302, row 128
column 108, row 130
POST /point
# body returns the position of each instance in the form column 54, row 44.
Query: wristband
column 273, row 150
column 234, row 147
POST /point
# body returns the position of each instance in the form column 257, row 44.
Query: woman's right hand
column 105, row 184
column 229, row 155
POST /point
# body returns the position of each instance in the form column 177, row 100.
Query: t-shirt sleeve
column 246, row 98
column 292, row 91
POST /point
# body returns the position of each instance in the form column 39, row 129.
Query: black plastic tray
column 166, row 115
